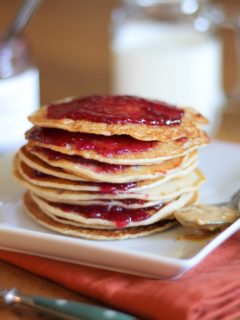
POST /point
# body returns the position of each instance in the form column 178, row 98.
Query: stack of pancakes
column 110, row 167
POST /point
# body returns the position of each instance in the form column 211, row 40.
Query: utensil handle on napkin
column 73, row 310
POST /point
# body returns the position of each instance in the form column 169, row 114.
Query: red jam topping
column 117, row 110
column 39, row 174
column 114, row 188
column 125, row 201
column 107, row 146
column 95, row 165
column 132, row 201
column 104, row 187
column 182, row 139
column 120, row 216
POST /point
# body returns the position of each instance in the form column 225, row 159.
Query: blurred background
column 70, row 42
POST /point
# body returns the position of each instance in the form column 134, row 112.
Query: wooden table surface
column 70, row 43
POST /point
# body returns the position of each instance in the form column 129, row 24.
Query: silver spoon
column 65, row 309
column 21, row 19
column 210, row 217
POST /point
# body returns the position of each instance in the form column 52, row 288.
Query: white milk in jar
column 19, row 93
column 19, row 96
column 169, row 60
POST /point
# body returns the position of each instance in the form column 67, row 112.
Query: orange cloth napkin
column 211, row 291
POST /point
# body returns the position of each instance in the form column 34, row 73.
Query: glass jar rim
column 14, row 56
column 146, row 3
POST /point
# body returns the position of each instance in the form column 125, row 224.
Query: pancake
column 124, row 203
column 93, row 234
column 110, row 167
column 96, row 171
column 42, row 179
column 110, row 216
column 124, row 109
column 39, row 178
column 39, row 165
column 169, row 190
column 119, row 150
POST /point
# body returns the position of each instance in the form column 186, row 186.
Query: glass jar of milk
column 19, row 92
column 168, row 50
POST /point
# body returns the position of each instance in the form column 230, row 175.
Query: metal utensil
column 210, row 217
column 21, row 19
column 65, row 309
column 232, row 202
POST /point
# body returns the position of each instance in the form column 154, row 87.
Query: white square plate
column 161, row 255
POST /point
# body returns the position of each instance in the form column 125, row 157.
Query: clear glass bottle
column 19, row 92
column 168, row 50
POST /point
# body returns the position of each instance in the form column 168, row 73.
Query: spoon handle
column 22, row 18
column 235, row 200
column 67, row 309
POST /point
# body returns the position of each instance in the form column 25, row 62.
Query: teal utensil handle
column 74, row 310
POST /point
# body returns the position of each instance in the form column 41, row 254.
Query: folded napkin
column 210, row 291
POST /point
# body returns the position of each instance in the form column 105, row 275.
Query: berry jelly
column 120, row 216
column 117, row 110
column 104, row 187
column 107, row 146
column 114, row 188
column 99, row 167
